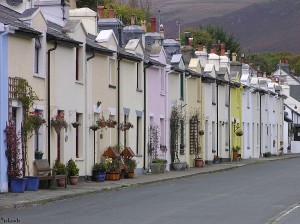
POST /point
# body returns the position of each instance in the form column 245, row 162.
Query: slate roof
column 148, row 60
column 10, row 17
column 124, row 54
column 153, row 49
column 71, row 25
column 28, row 12
column 92, row 44
column 54, row 31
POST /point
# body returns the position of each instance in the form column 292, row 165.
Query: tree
column 209, row 35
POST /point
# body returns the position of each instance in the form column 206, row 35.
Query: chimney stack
column 273, row 78
column 233, row 56
column 144, row 25
column 153, row 24
column 100, row 11
column 132, row 20
column 111, row 13
column 259, row 74
column 222, row 53
column 200, row 46
column 186, row 38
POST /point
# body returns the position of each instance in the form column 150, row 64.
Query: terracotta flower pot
column 73, row 180
column 61, row 182
column 199, row 162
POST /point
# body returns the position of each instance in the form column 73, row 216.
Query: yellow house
column 236, row 91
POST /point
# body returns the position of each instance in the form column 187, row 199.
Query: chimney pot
column 111, row 13
column 191, row 41
column 153, row 24
column 233, row 56
column 213, row 49
column 186, row 38
column 222, row 53
column 144, row 25
column 72, row 4
column 132, row 19
column 100, row 11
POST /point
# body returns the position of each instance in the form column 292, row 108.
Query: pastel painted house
column 131, row 98
column 157, row 111
column 101, row 94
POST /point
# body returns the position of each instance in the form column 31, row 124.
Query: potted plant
column 199, row 162
column 73, row 172
column 216, row 159
column 58, row 122
column 38, row 154
column 130, row 165
column 14, row 168
column 101, row 122
column 60, row 170
column 114, row 169
column 235, row 152
column 100, row 169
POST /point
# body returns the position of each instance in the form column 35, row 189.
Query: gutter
column 49, row 98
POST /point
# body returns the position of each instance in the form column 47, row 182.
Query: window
column 138, row 77
column 213, row 89
column 248, row 98
column 78, row 64
column 125, row 132
column 37, row 55
column 79, row 136
column 198, row 90
column 162, row 131
column 227, row 95
column 181, row 86
column 39, row 134
column 182, row 137
column 213, row 136
column 138, row 121
column 112, row 72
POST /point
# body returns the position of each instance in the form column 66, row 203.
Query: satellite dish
column 14, row 2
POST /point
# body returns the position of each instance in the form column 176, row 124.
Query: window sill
column 181, row 99
column 79, row 159
column 138, row 155
column 35, row 75
column 139, row 90
column 162, row 94
column 112, row 86
column 79, row 82
column 213, row 103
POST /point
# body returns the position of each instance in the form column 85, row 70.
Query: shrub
column 72, row 168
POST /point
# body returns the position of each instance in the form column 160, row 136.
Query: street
column 252, row 194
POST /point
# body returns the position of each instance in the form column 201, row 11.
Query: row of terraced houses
column 87, row 67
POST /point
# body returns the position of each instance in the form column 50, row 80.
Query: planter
column 17, row 185
column 61, row 182
column 199, row 163
column 75, row 124
column 235, row 156
column 112, row 176
column 184, row 166
column 163, row 167
column 155, row 168
column 38, row 155
column 73, row 180
column 99, row 176
column 177, row 166
column 32, row 183
column 129, row 175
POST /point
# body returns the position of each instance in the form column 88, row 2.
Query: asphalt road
column 253, row 194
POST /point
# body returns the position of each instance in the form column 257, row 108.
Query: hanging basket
column 94, row 127
column 239, row 132
column 76, row 124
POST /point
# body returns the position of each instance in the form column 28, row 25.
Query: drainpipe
column 217, row 118
column 86, row 113
column 145, row 114
column 260, row 127
column 229, row 123
column 49, row 97
column 119, row 109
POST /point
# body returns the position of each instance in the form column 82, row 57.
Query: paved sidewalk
column 17, row 200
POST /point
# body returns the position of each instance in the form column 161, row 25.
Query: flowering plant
column 111, row 123
column 36, row 119
column 124, row 126
column 101, row 122
column 58, row 122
